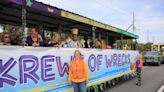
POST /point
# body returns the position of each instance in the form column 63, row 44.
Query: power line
column 112, row 7
column 120, row 11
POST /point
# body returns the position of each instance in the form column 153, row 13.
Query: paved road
column 152, row 80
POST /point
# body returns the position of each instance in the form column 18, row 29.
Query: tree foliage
column 140, row 46
column 144, row 47
column 15, row 32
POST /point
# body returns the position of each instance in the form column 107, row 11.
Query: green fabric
column 96, row 88
column 89, row 89
column 101, row 86
column 28, row 3
column 105, row 85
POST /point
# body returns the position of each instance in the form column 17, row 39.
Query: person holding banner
column 78, row 73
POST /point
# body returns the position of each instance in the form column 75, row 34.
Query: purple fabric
column 44, row 7
column 19, row 2
column 39, row 6
column 29, row 41
column 137, row 64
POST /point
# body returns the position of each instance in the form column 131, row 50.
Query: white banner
column 46, row 69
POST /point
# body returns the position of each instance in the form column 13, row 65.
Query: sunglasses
column 6, row 37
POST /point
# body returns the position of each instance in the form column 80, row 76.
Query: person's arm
column 132, row 65
column 86, row 72
column 69, row 74
column 71, row 44
column 79, row 45
column 141, row 61
column 40, row 37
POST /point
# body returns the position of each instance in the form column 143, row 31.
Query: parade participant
column 34, row 35
column 125, row 47
column 35, row 40
column 138, row 64
column 97, row 45
column 75, row 42
column 78, row 73
column 66, row 42
column 57, row 40
column 6, row 39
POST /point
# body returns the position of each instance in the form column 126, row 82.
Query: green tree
column 144, row 47
column 129, row 42
column 140, row 46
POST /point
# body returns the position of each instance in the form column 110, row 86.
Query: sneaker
column 138, row 84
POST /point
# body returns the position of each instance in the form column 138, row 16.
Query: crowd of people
column 36, row 40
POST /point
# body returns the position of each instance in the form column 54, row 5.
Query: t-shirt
column 75, row 44
column 137, row 64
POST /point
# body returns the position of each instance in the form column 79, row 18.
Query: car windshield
column 151, row 53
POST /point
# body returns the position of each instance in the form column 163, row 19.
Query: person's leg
column 75, row 87
column 139, row 77
column 83, row 86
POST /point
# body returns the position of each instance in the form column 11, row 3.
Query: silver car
column 154, row 57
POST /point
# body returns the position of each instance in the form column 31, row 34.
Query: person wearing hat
column 75, row 42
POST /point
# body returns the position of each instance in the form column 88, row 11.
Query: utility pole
column 132, row 25
column 133, row 22
column 147, row 36
column 153, row 39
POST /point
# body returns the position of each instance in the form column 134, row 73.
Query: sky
column 149, row 14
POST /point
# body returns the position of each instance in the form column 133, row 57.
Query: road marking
column 161, row 89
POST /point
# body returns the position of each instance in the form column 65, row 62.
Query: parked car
column 154, row 57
